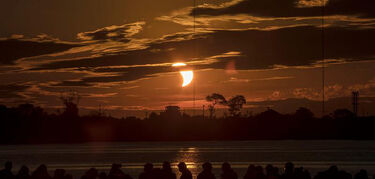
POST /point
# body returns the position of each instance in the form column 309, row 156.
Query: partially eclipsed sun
column 187, row 75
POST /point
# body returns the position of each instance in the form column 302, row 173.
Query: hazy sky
column 118, row 53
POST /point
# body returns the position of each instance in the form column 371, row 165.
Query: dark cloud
column 13, row 49
column 293, row 8
column 121, row 75
column 72, row 83
column 293, row 46
column 12, row 90
column 115, row 33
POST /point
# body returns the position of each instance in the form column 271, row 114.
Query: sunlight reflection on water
column 190, row 156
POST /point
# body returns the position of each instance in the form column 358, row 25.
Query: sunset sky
column 118, row 53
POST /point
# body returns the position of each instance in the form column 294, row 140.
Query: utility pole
column 323, row 59
column 203, row 112
column 195, row 53
column 355, row 102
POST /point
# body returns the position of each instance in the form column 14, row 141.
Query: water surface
column 76, row 158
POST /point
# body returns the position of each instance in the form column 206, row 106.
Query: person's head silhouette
column 166, row 166
column 207, row 166
column 333, row 169
column 24, row 170
column 182, row 166
column 8, row 165
column 102, row 175
column 148, row 167
column 226, row 167
column 269, row 169
column 251, row 168
column 42, row 168
column 289, row 167
column 116, row 166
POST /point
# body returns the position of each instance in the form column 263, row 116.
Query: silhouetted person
column 288, row 171
column 157, row 173
column 272, row 172
column 259, row 172
column 207, row 172
column 41, row 173
column 228, row 172
column 117, row 173
column 269, row 170
column 148, row 172
column 6, row 173
column 250, row 173
column 344, row 175
column 23, row 173
column 102, row 175
column 331, row 173
column 276, row 172
column 362, row 174
column 300, row 173
column 92, row 173
column 166, row 171
column 59, row 174
column 68, row 176
column 185, row 172
column 307, row 174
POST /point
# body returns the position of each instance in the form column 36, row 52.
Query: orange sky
column 118, row 54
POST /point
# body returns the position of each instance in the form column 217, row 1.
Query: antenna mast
column 323, row 59
column 194, row 4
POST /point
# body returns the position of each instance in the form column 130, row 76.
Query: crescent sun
column 187, row 77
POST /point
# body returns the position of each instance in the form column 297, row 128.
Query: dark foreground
column 27, row 125
column 253, row 172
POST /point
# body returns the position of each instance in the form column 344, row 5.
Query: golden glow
column 187, row 77
column 178, row 64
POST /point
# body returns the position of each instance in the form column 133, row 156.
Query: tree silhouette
column 215, row 98
column 153, row 116
column 27, row 123
column 343, row 114
column 70, row 101
column 235, row 105
column 269, row 114
column 304, row 113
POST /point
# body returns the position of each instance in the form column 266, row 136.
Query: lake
column 77, row 158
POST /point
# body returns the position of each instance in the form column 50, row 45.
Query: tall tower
column 355, row 95
column 323, row 59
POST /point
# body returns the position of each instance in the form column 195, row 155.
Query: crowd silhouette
column 166, row 172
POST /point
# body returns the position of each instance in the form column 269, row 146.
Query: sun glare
column 178, row 64
column 187, row 75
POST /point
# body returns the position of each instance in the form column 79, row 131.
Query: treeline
column 31, row 124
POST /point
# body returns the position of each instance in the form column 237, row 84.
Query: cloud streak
column 243, row 50
column 292, row 8
column 114, row 32
column 13, row 49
